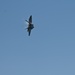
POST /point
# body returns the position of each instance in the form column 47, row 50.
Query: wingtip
column 31, row 15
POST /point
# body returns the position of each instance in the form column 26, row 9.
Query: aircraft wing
column 29, row 31
column 30, row 19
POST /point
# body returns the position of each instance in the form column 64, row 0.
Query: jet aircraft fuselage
column 30, row 25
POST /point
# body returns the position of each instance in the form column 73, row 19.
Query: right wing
column 29, row 31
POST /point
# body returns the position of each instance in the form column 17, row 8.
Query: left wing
column 30, row 19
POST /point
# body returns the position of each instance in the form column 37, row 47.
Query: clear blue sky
column 50, row 50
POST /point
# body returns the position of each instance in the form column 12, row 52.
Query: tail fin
column 26, row 21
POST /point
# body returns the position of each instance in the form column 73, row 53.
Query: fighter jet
column 30, row 25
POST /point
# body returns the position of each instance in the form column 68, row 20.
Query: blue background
column 50, row 50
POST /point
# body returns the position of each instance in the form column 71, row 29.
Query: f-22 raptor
column 30, row 25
